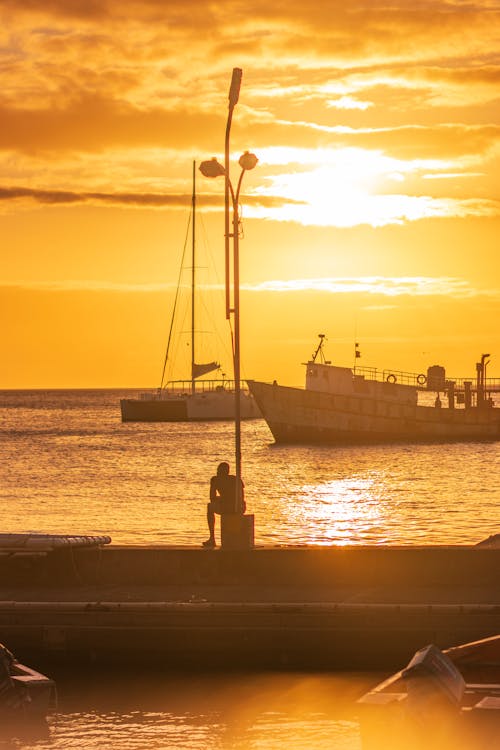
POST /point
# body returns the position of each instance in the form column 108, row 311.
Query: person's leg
column 211, row 526
column 211, row 520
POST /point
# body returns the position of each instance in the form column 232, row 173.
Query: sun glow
column 347, row 187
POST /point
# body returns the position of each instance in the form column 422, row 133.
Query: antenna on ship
column 319, row 349
column 357, row 354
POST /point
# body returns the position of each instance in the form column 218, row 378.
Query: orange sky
column 372, row 216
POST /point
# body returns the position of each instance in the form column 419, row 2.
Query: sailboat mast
column 193, row 278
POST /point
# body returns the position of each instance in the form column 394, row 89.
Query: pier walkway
column 295, row 607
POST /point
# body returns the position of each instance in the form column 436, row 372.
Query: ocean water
column 268, row 711
column 68, row 465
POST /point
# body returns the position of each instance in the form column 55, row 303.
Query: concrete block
column 237, row 531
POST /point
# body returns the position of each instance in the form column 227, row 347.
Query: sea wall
column 297, row 607
column 358, row 566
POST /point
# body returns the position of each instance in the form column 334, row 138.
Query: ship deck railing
column 201, row 386
column 419, row 380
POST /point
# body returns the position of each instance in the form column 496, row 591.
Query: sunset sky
column 373, row 215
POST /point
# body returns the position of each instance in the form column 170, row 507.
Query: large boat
column 193, row 399
column 441, row 699
column 342, row 405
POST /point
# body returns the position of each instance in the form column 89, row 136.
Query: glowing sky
column 373, row 214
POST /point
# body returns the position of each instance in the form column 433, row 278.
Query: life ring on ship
column 421, row 379
column 391, row 378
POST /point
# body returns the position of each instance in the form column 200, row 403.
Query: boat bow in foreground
column 443, row 699
column 24, row 693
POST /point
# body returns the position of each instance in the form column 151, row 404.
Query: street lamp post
column 212, row 168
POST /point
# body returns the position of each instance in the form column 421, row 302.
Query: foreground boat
column 24, row 693
column 442, row 699
column 195, row 399
column 340, row 405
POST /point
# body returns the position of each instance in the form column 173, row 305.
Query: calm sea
column 68, row 465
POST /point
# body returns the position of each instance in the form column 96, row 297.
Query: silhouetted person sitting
column 222, row 499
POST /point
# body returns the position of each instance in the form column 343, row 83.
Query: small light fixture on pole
column 212, row 168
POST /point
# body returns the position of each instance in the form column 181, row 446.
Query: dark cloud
column 334, row 27
column 129, row 199
column 92, row 122
column 100, row 10
column 144, row 200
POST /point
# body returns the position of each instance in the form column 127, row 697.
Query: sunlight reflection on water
column 205, row 712
column 337, row 506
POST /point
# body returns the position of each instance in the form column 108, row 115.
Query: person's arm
column 213, row 489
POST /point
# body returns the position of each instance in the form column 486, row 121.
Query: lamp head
column 248, row 161
column 234, row 91
column 212, row 168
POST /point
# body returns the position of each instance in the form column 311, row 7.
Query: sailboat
column 191, row 399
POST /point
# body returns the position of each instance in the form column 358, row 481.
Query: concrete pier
column 273, row 607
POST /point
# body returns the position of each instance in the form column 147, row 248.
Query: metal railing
column 415, row 380
column 419, row 380
column 201, row 386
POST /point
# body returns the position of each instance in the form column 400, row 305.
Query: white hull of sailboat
column 199, row 407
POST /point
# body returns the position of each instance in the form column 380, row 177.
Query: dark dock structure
column 342, row 607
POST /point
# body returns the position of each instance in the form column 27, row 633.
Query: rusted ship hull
column 296, row 415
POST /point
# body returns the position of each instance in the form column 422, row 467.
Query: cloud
column 144, row 200
column 128, row 199
column 378, row 285
column 440, row 141
column 92, row 123
column 75, row 285
column 348, row 102
column 114, row 82
column 355, row 208
column 384, row 286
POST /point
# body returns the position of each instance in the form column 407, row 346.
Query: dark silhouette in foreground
column 223, row 499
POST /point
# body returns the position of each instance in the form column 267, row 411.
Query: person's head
column 223, row 469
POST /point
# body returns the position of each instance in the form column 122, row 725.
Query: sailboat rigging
column 182, row 401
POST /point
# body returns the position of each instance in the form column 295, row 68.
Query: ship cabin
column 328, row 378
column 402, row 387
